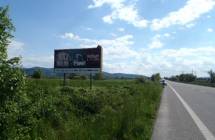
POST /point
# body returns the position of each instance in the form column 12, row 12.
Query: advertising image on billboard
column 86, row 60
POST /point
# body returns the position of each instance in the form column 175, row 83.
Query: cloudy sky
column 138, row 36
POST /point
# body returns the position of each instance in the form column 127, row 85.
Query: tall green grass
column 113, row 109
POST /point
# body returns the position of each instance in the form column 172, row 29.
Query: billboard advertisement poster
column 85, row 60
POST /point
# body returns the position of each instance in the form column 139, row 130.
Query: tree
column 6, row 29
column 11, row 82
column 174, row 78
column 98, row 76
column 156, row 77
column 212, row 76
column 187, row 77
column 37, row 74
column 141, row 79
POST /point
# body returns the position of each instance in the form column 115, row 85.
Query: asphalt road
column 187, row 112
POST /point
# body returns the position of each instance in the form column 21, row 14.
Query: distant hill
column 49, row 72
column 120, row 76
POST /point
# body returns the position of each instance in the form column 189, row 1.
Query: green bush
column 37, row 74
column 156, row 77
column 141, row 80
column 120, row 109
column 14, row 123
column 98, row 76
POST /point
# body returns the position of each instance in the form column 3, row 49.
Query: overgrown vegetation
column 111, row 110
column 12, row 83
column 37, row 74
column 98, row 76
column 141, row 79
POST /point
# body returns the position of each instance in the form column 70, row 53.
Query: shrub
column 37, row 74
column 141, row 80
column 12, row 83
column 212, row 76
column 98, row 76
column 155, row 77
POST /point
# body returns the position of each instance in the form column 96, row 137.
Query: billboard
column 85, row 60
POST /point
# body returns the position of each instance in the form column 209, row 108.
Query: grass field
column 201, row 83
column 112, row 110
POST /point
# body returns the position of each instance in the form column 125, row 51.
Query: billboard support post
column 91, row 80
column 64, row 79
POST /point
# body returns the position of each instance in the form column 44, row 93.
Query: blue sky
column 138, row 36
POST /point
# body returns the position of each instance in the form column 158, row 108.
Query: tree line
column 189, row 77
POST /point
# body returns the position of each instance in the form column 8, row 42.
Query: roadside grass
column 113, row 109
column 200, row 82
column 203, row 83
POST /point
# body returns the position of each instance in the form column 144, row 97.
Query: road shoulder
column 173, row 121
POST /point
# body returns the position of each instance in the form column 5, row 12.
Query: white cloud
column 120, row 41
column 120, row 11
column 156, row 42
column 168, row 62
column 167, row 35
column 208, row 16
column 199, row 59
column 33, row 61
column 89, row 29
column 118, row 49
column 210, row 30
column 190, row 12
column 189, row 52
column 126, row 11
column 99, row 3
column 121, row 29
column 108, row 19
column 120, row 56
column 190, row 25
column 15, row 48
column 70, row 36
column 113, row 34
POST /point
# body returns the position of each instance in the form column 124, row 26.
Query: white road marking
column 202, row 127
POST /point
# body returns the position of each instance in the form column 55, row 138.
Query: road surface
column 187, row 112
